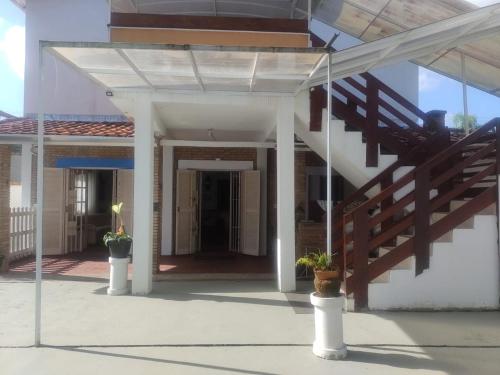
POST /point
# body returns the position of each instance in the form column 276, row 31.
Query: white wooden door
column 186, row 228
column 250, row 212
column 53, row 211
column 125, row 194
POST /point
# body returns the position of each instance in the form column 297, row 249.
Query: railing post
column 385, row 204
column 317, row 102
column 371, row 123
column 360, row 259
column 422, row 217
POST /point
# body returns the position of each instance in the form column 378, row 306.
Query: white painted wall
column 463, row 273
column 66, row 91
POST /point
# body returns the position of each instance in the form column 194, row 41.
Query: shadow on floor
column 164, row 361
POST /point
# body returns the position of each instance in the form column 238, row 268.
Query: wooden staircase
column 449, row 189
column 387, row 120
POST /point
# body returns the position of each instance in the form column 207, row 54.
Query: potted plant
column 119, row 242
column 328, row 302
column 1, row 261
column 326, row 273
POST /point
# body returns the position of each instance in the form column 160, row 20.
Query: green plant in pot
column 326, row 273
column 119, row 242
column 1, row 261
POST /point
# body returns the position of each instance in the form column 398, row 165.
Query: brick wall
column 4, row 203
column 310, row 236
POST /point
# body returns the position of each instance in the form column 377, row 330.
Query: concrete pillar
column 285, row 195
column 4, row 205
column 168, row 191
column 143, row 196
column 262, row 167
column 26, row 158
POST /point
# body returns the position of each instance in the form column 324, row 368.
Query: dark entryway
column 214, row 211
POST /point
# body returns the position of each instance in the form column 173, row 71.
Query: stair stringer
column 348, row 149
column 463, row 274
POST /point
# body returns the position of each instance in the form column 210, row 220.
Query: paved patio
column 225, row 327
column 93, row 263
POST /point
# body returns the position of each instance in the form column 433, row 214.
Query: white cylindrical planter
column 118, row 274
column 329, row 340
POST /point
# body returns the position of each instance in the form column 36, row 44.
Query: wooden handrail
column 434, row 173
column 430, row 163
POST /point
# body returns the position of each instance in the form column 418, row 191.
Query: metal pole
column 309, row 14
column 329, row 160
column 39, row 203
column 464, row 96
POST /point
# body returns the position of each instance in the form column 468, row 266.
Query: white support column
column 167, row 207
column 262, row 167
column 142, row 277
column 286, row 195
column 26, row 159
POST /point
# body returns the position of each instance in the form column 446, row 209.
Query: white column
column 143, row 196
column 168, row 191
column 262, row 167
column 26, row 158
column 285, row 195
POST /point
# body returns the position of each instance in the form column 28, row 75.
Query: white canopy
column 121, row 66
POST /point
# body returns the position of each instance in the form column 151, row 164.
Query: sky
column 436, row 91
column 11, row 58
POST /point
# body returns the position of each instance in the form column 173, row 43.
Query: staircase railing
column 384, row 116
column 414, row 156
column 449, row 175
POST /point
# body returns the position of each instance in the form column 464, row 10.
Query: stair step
column 406, row 264
column 468, row 224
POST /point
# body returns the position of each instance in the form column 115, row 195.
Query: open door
column 186, row 228
column 250, row 212
column 53, row 211
column 124, row 185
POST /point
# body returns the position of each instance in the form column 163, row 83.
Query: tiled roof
column 23, row 126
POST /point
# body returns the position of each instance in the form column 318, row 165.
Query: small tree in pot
column 326, row 273
column 118, row 243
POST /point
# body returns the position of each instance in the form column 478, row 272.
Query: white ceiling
column 252, row 121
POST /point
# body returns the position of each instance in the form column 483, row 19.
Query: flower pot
column 327, row 283
column 119, row 249
column 329, row 336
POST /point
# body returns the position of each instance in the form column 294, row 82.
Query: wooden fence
column 22, row 232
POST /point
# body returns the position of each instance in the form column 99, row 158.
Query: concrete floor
column 226, row 327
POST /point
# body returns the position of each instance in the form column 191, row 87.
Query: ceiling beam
column 134, row 67
column 186, row 143
column 195, row 70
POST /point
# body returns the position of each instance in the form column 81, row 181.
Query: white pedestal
column 118, row 274
column 329, row 341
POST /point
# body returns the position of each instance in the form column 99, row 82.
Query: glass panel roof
column 370, row 20
column 132, row 66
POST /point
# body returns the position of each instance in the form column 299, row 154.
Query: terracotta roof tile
column 22, row 126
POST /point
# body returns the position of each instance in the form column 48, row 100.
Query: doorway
column 89, row 196
column 214, row 213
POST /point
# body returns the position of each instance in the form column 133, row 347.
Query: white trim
column 216, row 165
column 182, row 143
column 262, row 167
